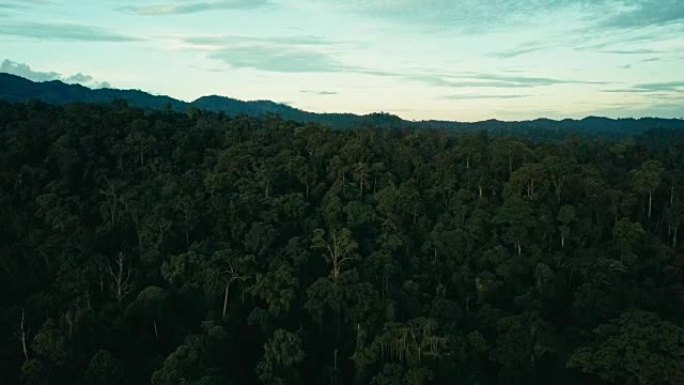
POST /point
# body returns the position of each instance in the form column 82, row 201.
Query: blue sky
column 420, row 59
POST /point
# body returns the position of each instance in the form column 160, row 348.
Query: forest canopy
column 160, row 247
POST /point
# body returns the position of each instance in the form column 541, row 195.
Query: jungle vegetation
column 162, row 247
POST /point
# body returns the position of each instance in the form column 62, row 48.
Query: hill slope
column 17, row 89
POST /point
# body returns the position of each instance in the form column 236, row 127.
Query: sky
column 464, row 60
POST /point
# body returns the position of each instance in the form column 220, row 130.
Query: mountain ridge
column 15, row 88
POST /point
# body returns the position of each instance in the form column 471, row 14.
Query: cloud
column 25, row 71
column 280, row 59
column 283, row 54
column 674, row 86
column 645, row 13
column 323, row 93
column 285, row 58
column 85, row 80
column 188, row 7
column 228, row 40
column 62, row 31
column 636, row 51
column 471, row 16
column 21, row 4
column 521, row 50
column 662, row 87
column 483, row 96
column 482, row 80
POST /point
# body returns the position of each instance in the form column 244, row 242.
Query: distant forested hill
column 17, row 89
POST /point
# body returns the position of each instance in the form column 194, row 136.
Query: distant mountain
column 17, row 89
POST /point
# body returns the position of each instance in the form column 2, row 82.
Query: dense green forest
column 159, row 247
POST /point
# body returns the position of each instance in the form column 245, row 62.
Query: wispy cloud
column 674, row 86
column 519, row 51
column 186, row 7
column 283, row 54
column 21, row 4
column 280, row 59
column 62, row 31
column 322, row 93
column 662, row 87
column 228, row 40
column 481, row 96
column 279, row 56
column 609, row 43
column 25, row 71
column 494, row 15
column 645, row 13
column 635, row 51
column 483, row 80
column 471, row 16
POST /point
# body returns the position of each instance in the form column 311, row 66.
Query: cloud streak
column 481, row 96
column 229, row 40
column 279, row 59
column 63, row 31
column 648, row 88
column 483, row 80
column 322, row 93
column 189, row 7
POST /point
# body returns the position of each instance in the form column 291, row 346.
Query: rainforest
column 164, row 247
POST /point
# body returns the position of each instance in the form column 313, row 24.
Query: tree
column 627, row 234
column 566, row 216
column 339, row 248
column 647, row 178
column 516, row 214
column 104, row 368
column 636, row 348
column 282, row 354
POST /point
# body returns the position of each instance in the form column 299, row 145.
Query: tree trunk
column 156, row 332
column 650, row 204
column 674, row 237
column 225, row 300
column 187, row 230
column 333, row 379
column 23, row 338
column 558, row 189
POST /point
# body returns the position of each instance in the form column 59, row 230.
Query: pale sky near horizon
column 420, row 59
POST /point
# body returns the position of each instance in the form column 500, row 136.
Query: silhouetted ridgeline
column 17, row 89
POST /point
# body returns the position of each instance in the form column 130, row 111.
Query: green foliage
column 282, row 354
column 635, row 348
column 159, row 247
